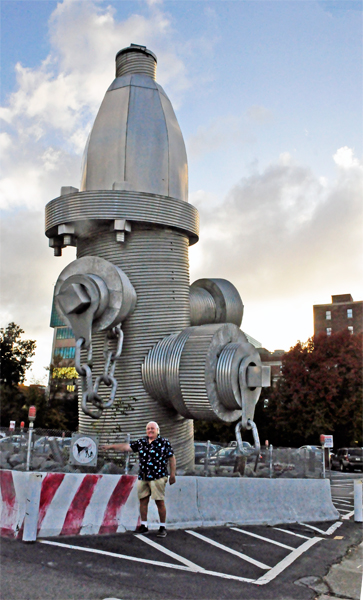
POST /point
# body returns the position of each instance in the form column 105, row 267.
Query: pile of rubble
column 52, row 458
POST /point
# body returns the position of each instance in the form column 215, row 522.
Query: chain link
column 90, row 391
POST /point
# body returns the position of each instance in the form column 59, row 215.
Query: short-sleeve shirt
column 153, row 458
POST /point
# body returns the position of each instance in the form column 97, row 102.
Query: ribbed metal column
column 156, row 262
column 135, row 59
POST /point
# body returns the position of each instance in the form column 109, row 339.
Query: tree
column 320, row 391
column 15, row 355
column 63, row 395
column 49, row 416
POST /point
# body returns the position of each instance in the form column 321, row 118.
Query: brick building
column 341, row 313
column 273, row 360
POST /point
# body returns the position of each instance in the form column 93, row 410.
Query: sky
column 268, row 95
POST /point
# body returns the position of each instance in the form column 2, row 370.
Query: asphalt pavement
column 301, row 561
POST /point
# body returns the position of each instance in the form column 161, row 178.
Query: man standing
column 154, row 454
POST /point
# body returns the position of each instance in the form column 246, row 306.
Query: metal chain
column 90, row 391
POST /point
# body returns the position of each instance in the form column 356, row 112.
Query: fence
column 50, row 451
column 270, row 462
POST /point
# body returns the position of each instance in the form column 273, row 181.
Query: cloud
column 45, row 124
column 220, row 132
column 227, row 130
column 345, row 159
column 260, row 114
column 28, row 274
column 284, row 230
column 340, row 7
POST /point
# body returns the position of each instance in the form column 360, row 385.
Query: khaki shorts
column 154, row 488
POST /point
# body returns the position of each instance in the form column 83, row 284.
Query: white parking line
column 339, row 501
column 329, row 531
column 348, row 515
column 230, row 550
column 305, row 537
column 114, row 555
column 341, row 498
column 161, row 548
column 286, row 562
column 149, row 562
column 193, row 568
column 262, row 538
column 342, row 510
column 346, row 484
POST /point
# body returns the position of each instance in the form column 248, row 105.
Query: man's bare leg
column 161, row 509
column 144, row 502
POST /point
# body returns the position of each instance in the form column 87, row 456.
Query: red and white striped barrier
column 70, row 504
column 56, row 504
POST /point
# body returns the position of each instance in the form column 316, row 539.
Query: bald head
column 152, row 430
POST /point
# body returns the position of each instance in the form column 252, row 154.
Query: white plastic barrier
column 78, row 504
column 358, row 500
column 65, row 504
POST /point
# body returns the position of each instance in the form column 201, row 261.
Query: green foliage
column 320, row 391
column 15, row 355
column 62, row 398
column 15, row 402
column 13, row 405
column 49, row 415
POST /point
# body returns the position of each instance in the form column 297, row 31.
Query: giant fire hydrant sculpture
column 141, row 331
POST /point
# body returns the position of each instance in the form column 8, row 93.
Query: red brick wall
column 339, row 319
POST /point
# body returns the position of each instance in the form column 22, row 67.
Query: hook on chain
column 247, row 451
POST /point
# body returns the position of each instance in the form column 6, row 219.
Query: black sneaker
column 162, row 532
column 142, row 529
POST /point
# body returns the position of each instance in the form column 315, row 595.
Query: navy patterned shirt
column 153, row 458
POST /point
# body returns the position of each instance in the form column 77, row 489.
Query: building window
column 67, row 352
column 328, row 315
column 350, row 328
column 328, row 331
column 350, row 313
column 64, row 333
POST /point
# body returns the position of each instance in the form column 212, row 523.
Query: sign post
column 31, row 416
column 327, row 443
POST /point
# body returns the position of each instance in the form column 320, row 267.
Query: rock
column 289, row 475
column 17, row 459
column 249, row 472
column 70, row 469
column 50, row 465
column 20, row 467
column 4, row 460
column 37, row 462
column 111, row 469
column 263, row 472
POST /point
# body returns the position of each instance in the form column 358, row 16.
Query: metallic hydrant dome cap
column 136, row 144
column 136, row 59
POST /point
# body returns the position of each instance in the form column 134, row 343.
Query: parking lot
column 226, row 562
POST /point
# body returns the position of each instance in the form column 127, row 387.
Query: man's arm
column 172, row 465
column 121, row 447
